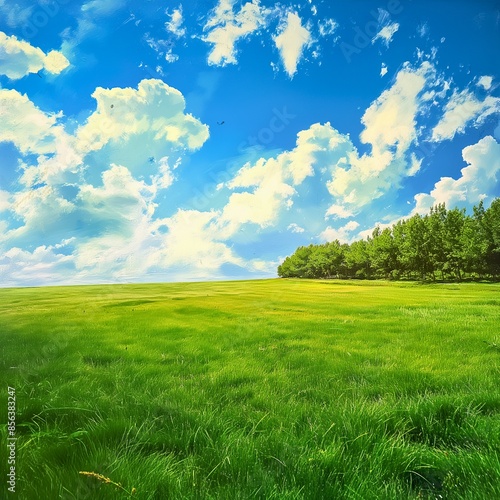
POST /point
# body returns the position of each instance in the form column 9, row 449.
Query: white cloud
column 343, row 234
column 274, row 179
column 4, row 200
column 22, row 123
column 338, row 211
column 46, row 264
column 383, row 70
column 116, row 216
column 224, row 28
column 485, row 82
column 18, row 58
column 463, row 109
column 174, row 25
column 120, row 202
column 152, row 113
column 390, row 119
column 291, row 41
column 34, row 132
column 387, row 29
column 170, row 57
column 390, row 129
column 295, row 228
column 327, row 27
column 193, row 240
column 478, row 180
column 40, row 209
column 386, row 34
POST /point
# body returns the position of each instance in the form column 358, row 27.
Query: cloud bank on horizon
column 208, row 140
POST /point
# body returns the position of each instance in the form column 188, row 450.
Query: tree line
column 444, row 245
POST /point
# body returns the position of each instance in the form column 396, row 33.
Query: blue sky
column 179, row 141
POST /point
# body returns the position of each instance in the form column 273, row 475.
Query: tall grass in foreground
column 275, row 389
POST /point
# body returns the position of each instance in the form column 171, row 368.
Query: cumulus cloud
column 478, row 180
column 463, row 109
column 266, row 188
column 41, row 211
column 390, row 128
column 390, row 121
column 291, row 41
column 174, row 24
column 71, row 184
column 19, row 58
column 119, row 203
column 273, row 180
column 31, row 130
column 225, row 27
column 193, row 239
column 45, row 264
column 338, row 211
column 485, row 82
column 4, row 200
column 343, row 234
column 151, row 117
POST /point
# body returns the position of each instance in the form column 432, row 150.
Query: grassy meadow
column 273, row 389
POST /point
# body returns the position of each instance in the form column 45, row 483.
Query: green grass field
column 274, row 389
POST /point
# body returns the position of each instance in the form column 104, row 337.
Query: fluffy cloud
column 119, row 203
column 4, row 200
column 291, row 41
column 174, row 25
column 463, row 109
column 111, row 210
column 150, row 118
column 338, row 211
column 18, row 58
column 390, row 129
column 45, row 264
column 193, row 240
column 386, row 34
column 390, row 121
column 31, row 130
column 478, row 180
column 343, row 234
column 225, row 27
column 485, row 82
column 42, row 211
column 274, row 179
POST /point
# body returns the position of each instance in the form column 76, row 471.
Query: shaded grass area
column 262, row 389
